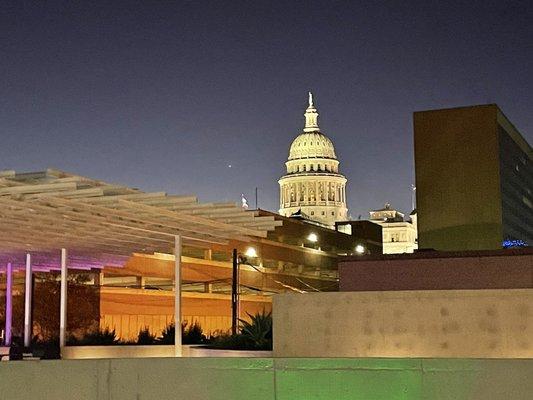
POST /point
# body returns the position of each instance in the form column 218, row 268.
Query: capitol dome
column 311, row 145
column 313, row 185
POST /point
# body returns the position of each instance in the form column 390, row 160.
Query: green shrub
column 105, row 337
column 193, row 334
column 258, row 332
column 168, row 334
column 254, row 335
column 189, row 335
column 46, row 349
column 229, row 342
column 145, row 337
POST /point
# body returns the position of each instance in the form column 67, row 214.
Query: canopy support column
column 9, row 303
column 63, row 300
column 27, row 302
column 177, row 296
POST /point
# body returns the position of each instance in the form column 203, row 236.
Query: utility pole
column 413, row 197
column 256, row 200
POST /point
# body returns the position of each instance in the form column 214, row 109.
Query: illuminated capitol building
column 313, row 186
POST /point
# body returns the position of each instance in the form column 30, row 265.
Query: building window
column 323, row 213
column 312, row 213
column 333, row 213
column 346, row 228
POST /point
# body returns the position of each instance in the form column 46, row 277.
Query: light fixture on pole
column 312, row 237
column 250, row 252
column 360, row 249
column 235, row 285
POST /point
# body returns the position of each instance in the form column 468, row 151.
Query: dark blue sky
column 165, row 95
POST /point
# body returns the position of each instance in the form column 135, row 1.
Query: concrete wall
column 267, row 379
column 454, row 323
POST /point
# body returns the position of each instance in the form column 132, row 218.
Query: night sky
column 166, row 95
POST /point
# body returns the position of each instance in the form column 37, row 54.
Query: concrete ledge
column 195, row 351
column 95, row 352
column 267, row 379
column 136, row 351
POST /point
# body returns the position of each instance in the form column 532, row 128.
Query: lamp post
column 235, row 293
column 235, row 286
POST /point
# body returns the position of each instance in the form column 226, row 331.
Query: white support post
column 63, row 300
column 177, row 296
column 27, row 302
column 9, row 303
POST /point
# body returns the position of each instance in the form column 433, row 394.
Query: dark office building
column 366, row 233
column 474, row 180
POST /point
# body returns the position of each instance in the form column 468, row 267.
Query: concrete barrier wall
column 94, row 352
column 157, row 351
column 266, row 379
column 441, row 323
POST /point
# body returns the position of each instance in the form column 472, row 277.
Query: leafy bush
column 189, row 335
column 105, row 337
column 229, row 342
column 145, row 337
column 193, row 334
column 46, row 349
column 254, row 335
column 258, row 332
column 168, row 334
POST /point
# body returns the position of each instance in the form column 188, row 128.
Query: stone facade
column 399, row 235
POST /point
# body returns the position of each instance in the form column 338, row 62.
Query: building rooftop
column 429, row 254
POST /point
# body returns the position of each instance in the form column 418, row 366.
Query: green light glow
column 270, row 379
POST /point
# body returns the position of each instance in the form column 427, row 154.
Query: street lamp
column 250, row 252
column 360, row 249
column 237, row 260
column 312, row 237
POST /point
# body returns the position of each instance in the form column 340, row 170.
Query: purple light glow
column 9, row 303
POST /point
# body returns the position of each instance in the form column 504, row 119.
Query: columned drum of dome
column 313, row 184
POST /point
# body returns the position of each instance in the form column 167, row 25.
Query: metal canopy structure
column 44, row 214
column 101, row 223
